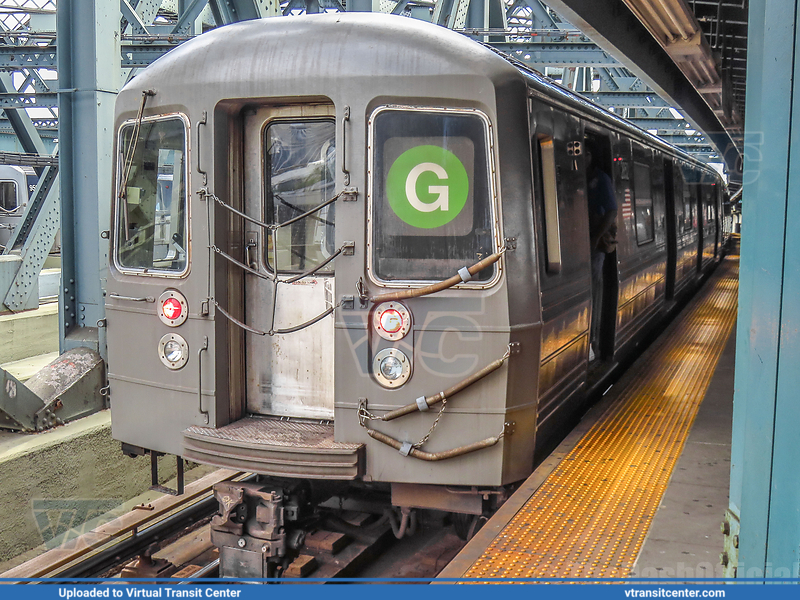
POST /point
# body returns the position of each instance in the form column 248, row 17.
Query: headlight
column 392, row 321
column 173, row 351
column 392, row 368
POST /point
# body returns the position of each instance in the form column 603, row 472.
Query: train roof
column 340, row 45
column 556, row 92
column 347, row 45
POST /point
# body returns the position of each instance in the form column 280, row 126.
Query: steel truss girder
column 682, row 140
column 660, row 123
column 616, row 29
column 27, row 57
column 32, row 240
column 557, row 55
column 28, row 100
column 141, row 55
column 628, row 99
column 231, row 11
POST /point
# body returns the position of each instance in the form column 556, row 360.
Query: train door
column 563, row 252
column 289, row 155
column 605, row 281
column 672, row 245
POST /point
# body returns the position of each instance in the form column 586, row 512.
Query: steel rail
column 130, row 547
column 133, row 530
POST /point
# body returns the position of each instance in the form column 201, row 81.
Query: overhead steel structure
column 527, row 29
column 539, row 37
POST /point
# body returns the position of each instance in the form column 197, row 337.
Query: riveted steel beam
column 27, row 57
column 661, row 124
column 89, row 77
column 558, row 55
column 613, row 26
column 27, row 100
column 628, row 99
column 142, row 54
column 33, row 239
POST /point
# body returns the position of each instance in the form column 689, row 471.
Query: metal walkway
column 590, row 516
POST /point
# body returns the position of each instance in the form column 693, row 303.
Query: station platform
column 640, row 487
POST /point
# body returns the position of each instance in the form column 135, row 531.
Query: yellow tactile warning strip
column 591, row 516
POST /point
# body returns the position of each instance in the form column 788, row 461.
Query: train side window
column 151, row 232
column 300, row 174
column 547, row 169
column 687, row 207
column 680, row 219
column 680, row 209
column 8, row 195
column 643, row 203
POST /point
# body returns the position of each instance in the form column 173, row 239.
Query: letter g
column 442, row 198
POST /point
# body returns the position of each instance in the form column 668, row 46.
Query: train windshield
column 300, row 175
column 431, row 194
column 8, row 196
column 151, row 218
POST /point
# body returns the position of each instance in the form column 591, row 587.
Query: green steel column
column 88, row 76
column 765, row 487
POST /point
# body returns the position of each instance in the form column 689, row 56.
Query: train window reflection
column 300, row 174
column 431, row 197
column 8, row 196
column 643, row 203
column 151, row 219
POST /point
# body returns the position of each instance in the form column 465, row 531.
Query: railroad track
column 97, row 551
column 171, row 538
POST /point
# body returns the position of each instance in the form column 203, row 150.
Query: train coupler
column 253, row 529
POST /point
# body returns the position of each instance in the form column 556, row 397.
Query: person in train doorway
column 602, row 234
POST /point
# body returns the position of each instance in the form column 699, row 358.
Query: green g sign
column 427, row 186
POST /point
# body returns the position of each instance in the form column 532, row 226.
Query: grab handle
column 132, row 298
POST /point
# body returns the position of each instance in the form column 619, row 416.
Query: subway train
column 16, row 186
column 351, row 251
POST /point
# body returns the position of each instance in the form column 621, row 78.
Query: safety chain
column 420, row 443
column 270, row 226
column 346, row 248
column 273, row 332
column 364, row 415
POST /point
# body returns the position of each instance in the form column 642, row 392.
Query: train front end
column 322, row 265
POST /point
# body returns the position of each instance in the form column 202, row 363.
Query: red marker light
column 391, row 321
column 171, row 309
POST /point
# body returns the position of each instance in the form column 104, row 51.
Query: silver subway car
column 355, row 248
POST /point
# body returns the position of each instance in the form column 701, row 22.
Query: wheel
column 461, row 523
column 477, row 522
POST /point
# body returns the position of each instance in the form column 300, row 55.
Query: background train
column 353, row 250
column 16, row 186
